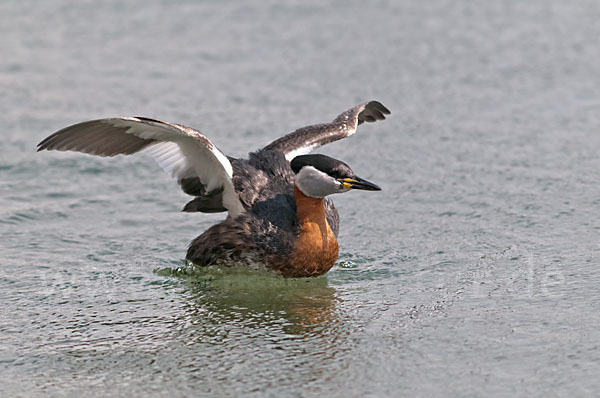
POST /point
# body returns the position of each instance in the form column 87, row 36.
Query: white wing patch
column 181, row 160
column 305, row 150
column 169, row 157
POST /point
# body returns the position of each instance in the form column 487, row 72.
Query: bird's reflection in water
column 257, row 302
column 247, row 328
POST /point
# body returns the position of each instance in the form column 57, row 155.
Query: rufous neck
column 308, row 209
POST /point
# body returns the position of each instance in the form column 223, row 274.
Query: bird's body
column 279, row 218
column 281, row 227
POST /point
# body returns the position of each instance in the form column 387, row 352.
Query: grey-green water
column 475, row 272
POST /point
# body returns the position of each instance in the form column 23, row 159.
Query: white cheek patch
column 315, row 183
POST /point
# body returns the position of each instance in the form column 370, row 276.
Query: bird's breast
column 316, row 248
column 315, row 251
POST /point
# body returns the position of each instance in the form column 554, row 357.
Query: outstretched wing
column 305, row 139
column 186, row 154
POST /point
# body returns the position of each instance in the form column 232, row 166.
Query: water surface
column 473, row 273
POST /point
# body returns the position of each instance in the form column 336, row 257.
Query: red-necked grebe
column 278, row 216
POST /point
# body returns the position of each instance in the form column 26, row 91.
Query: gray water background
column 475, row 272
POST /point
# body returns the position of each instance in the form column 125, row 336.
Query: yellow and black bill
column 358, row 183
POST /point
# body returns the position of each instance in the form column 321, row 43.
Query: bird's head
column 318, row 176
